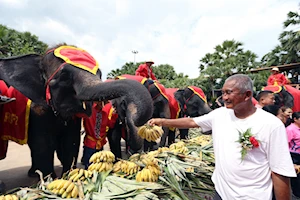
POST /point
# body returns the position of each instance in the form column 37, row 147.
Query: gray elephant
column 63, row 84
column 160, row 109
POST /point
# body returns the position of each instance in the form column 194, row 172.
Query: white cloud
column 177, row 32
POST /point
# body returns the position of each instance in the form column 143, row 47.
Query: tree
column 128, row 68
column 14, row 43
column 227, row 59
column 289, row 49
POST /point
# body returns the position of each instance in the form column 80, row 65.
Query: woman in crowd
column 293, row 133
column 287, row 113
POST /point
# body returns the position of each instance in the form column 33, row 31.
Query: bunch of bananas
column 190, row 169
column 148, row 159
column 101, row 166
column 9, row 197
column 150, row 133
column 79, row 174
column 102, row 156
column 127, row 167
column 102, row 161
column 201, row 140
column 65, row 188
column 179, row 147
column 155, row 169
column 146, row 175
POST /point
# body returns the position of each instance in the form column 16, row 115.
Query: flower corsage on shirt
column 247, row 141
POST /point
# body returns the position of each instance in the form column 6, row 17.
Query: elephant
column 62, row 84
column 192, row 101
column 160, row 109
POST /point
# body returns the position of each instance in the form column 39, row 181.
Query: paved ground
column 14, row 168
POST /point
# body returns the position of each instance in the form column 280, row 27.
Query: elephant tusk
column 83, row 105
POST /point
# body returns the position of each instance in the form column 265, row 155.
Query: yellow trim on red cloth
column 203, row 98
column 57, row 53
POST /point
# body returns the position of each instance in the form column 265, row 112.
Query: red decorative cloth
column 296, row 94
column 140, row 79
column 14, row 118
column 77, row 57
column 173, row 104
column 145, row 71
column 107, row 121
column 3, row 143
column 199, row 92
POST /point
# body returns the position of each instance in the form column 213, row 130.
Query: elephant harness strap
column 74, row 56
column 196, row 91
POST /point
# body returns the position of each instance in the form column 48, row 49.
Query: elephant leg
column 41, row 141
column 171, row 137
column 163, row 139
column 184, row 133
column 69, row 142
column 114, row 138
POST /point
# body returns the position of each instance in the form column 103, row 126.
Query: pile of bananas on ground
column 63, row 188
column 127, row 167
column 150, row 133
column 179, row 147
column 9, row 197
column 201, row 140
column 102, row 161
column 79, row 174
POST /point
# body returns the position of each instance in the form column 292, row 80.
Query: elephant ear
column 24, row 74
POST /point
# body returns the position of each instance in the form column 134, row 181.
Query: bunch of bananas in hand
column 179, row 147
column 150, row 133
column 102, row 161
column 9, row 197
column 64, row 188
column 146, row 175
column 79, row 174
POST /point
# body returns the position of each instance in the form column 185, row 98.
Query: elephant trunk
column 135, row 95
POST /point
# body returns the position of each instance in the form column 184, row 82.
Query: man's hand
column 155, row 121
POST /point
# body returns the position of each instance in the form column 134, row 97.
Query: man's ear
column 248, row 95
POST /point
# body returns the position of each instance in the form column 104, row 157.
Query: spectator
column 287, row 114
column 268, row 164
column 276, row 77
column 96, row 128
column 265, row 98
column 293, row 134
column 145, row 70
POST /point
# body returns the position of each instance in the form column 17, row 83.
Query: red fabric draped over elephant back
column 14, row 117
column 3, row 143
column 199, row 92
column 296, row 94
column 173, row 104
column 140, row 79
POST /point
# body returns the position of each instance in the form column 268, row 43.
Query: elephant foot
column 31, row 173
column 2, row 187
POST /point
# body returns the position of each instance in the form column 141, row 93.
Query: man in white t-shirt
column 266, row 166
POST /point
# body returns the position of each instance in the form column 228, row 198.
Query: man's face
column 231, row 95
column 268, row 99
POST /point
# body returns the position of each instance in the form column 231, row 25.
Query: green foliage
column 227, row 59
column 14, row 43
column 128, row 68
column 289, row 48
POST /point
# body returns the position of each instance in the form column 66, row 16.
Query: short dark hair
column 296, row 115
column 273, row 109
column 262, row 94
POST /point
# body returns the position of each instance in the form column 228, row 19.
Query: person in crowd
column 266, row 165
column 287, row 113
column 276, row 111
column 145, row 70
column 276, row 77
column 96, row 128
column 265, row 98
column 293, row 134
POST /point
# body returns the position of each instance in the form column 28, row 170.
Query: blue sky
column 175, row 32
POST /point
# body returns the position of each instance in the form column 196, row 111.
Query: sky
column 175, row 32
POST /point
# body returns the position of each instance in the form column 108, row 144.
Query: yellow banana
column 66, row 184
column 93, row 158
column 74, row 192
column 74, row 171
column 86, row 173
column 70, row 188
column 61, row 191
column 60, row 184
column 79, row 175
column 65, row 194
column 7, row 197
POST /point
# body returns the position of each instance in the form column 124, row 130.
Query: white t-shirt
column 250, row 178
